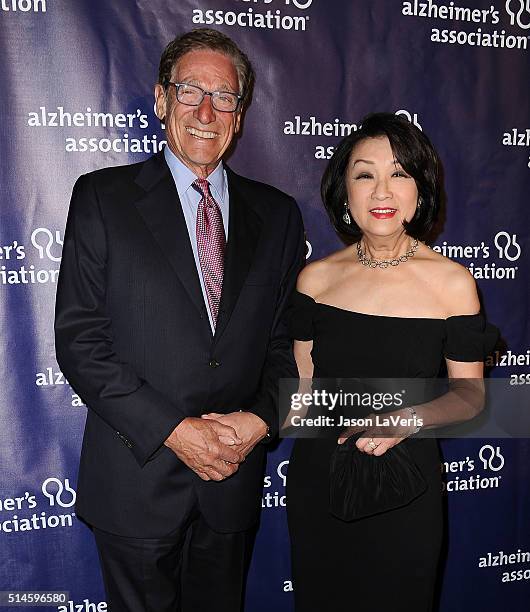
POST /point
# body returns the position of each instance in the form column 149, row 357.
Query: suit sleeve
column 280, row 361
column 141, row 416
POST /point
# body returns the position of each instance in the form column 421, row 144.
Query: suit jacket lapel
column 161, row 211
column 244, row 228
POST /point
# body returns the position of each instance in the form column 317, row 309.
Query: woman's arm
column 465, row 398
column 304, row 362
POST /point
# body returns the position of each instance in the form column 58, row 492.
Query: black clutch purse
column 362, row 485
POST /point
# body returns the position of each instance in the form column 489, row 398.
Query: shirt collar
column 184, row 177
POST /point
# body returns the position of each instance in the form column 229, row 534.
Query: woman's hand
column 378, row 439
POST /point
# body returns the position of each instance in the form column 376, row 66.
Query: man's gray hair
column 213, row 40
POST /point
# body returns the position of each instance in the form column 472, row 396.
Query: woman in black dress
column 385, row 306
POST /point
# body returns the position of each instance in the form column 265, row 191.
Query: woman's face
column 381, row 195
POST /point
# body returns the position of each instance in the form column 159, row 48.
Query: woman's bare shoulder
column 316, row 276
column 454, row 283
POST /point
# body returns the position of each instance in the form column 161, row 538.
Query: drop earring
column 346, row 216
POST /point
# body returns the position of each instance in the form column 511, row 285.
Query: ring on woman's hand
column 372, row 444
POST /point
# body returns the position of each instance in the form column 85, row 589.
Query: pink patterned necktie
column 211, row 244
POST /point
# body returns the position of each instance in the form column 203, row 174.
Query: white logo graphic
column 47, row 242
column 491, row 457
column 280, row 472
column 412, row 118
column 300, row 5
column 54, row 498
column 309, row 249
column 515, row 9
column 510, row 240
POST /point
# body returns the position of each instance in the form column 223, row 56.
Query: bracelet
column 414, row 416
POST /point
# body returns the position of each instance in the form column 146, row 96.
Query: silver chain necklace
column 385, row 263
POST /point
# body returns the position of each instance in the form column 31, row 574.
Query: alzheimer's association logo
column 507, row 245
column 519, row 12
column 44, row 241
column 300, row 4
column 58, row 492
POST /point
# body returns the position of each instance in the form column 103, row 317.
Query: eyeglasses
column 191, row 95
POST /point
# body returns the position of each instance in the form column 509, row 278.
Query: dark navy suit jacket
column 134, row 340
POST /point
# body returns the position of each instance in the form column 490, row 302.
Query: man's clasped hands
column 215, row 444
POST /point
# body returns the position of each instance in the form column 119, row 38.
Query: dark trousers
column 194, row 570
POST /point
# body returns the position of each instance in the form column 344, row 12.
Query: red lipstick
column 383, row 212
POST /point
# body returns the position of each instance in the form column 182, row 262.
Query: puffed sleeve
column 469, row 338
column 301, row 316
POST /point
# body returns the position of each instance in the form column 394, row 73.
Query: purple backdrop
column 77, row 95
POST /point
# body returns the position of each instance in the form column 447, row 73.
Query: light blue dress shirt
column 189, row 200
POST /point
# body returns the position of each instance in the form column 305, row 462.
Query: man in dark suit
column 170, row 324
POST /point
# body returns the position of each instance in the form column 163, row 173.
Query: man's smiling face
column 199, row 135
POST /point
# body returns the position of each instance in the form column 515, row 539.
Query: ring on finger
column 372, row 444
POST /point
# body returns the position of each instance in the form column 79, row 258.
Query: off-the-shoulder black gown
column 388, row 561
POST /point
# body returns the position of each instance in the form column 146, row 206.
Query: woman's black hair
column 417, row 156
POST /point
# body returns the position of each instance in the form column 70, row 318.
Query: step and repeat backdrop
column 77, row 94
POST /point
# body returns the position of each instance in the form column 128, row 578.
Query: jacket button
column 213, row 363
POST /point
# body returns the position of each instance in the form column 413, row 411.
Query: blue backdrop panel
column 77, row 95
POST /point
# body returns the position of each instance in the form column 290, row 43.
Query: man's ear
column 160, row 102
column 238, row 121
